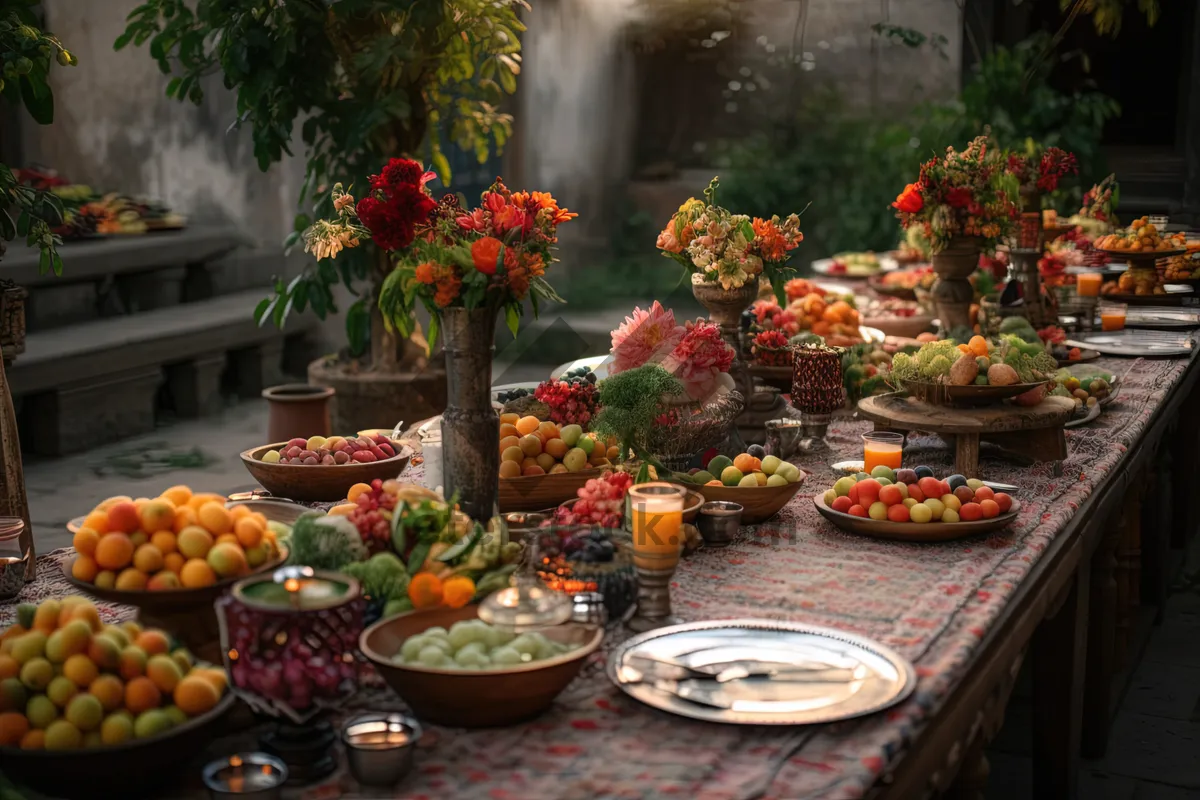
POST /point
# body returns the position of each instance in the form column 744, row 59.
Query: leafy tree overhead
column 361, row 80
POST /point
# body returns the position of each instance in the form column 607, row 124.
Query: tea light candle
column 245, row 776
column 298, row 588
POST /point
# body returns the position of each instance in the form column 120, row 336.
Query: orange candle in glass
column 657, row 515
column 1088, row 284
column 882, row 448
column 1112, row 316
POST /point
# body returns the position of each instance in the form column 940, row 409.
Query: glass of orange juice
column 882, row 448
column 657, row 514
column 1088, row 284
column 1112, row 316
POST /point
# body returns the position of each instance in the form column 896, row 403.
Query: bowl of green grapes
column 454, row 669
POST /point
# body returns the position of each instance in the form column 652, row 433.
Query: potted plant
column 463, row 266
column 361, row 82
column 964, row 202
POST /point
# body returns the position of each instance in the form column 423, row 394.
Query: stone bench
column 99, row 381
column 121, row 275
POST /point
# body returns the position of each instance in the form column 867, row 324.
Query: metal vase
column 953, row 292
column 725, row 307
column 470, row 427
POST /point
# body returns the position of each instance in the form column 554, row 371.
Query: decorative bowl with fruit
column 912, row 505
column 453, row 669
column 760, row 483
column 100, row 710
column 323, row 469
column 542, row 464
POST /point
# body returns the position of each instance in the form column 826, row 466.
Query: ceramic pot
column 297, row 410
column 470, row 427
column 953, row 292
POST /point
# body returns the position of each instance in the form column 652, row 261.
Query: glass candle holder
column 1112, row 316
column 882, row 449
column 657, row 545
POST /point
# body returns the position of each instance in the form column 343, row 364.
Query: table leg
column 966, row 454
column 1059, row 649
column 1101, row 623
column 1128, row 558
column 1183, row 470
column 1156, row 544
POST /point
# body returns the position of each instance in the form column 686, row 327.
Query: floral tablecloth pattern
column 931, row 602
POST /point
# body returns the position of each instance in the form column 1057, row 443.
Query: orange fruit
column 225, row 538
column 84, row 569
column 105, row 652
column 238, row 512
column 184, row 516
column 13, row 727
column 164, row 541
column 131, row 580
column 510, row 469
column 178, row 495
column 123, row 517
column 979, row 346
column 97, row 521
column 163, row 581
column 148, row 558
column 214, row 675
column 157, row 515
column 153, row 642
column 227, row 559
column 196, row 573
column 133, row 662
column 425, row 590
column 35, row 739
column 106, row 579
column 507, row 429
column 85, row 541
column 164, row 672
column 112, row 501
column 109, row 690
column 80, row 670
column 458, row 591
column 261, row 517
column 249, row 532
column 142, row 695
column 200, row 498
column 9, row 667
column 196, row 695
column 356, row 490
column 215, row 517
column 194, row 542
column 527, row 425
column 114, row 551
column 45, row 619
column 174, row 562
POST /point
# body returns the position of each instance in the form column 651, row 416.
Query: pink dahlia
column 645, row 336
column 699, row 357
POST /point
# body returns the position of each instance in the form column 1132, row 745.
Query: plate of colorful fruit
column 543, row 464
column 760, row 483
column 912, row 505
column 95, row 709
column 323, row 469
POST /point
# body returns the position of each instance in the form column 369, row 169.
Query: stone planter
column 370, row 399
column 470, row 427
column 298, row 410
column 12, row 321
column 953, row 292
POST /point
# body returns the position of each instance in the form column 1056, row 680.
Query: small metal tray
column 886, row 678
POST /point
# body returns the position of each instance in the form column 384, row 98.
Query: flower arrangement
column 967, row 193
column 1100, row 200
column 833, row 318
column 718, row 246
column 1041, row 169
column 771, row 348
column 494, row 256
column 693, row 353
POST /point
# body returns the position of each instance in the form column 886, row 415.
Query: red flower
column 486, row 254
column 959, row 197
column 909, row 201
column 402, row 172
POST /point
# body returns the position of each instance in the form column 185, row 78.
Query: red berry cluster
column 601, row 502
column 570, row 402
column 771, row 348
column 373, row 517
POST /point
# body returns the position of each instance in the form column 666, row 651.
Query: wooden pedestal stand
column 1032, row 434
column 13, row 500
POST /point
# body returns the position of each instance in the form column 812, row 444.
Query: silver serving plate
column 876, row 676
column 1134, row 343
column 823, row 266
column 1161, row 317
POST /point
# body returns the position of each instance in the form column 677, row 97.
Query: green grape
column 498, row 637
column 469, row 657
column 527, row 644
column 412, row 646
column 436, row 630
column 431, row 656
column 547, row 649
column 473, row 647
column 505, row 657
column 467, row 631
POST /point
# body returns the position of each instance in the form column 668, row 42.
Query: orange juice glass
column 1112, row 316
column 1088, row 284
column 657, row 514
column 882, row 448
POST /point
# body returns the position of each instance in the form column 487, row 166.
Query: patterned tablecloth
column 931, row 602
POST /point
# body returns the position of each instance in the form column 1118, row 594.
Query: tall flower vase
column 470, row 427
column 725, row 307
column 953, row 292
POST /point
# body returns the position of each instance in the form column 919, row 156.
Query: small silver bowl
column 379, row 747
column 718, row 522
column 523, row 520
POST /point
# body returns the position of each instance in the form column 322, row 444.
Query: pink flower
column 668, row 242
column 645, row 336
column 699, row 357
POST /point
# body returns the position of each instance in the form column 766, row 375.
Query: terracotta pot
column 298, row 410
column 470, row 427
column 953, row 292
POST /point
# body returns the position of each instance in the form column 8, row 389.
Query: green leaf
column 38, row 100
column 44, row 265
column 441, row 165
column 7, row 228
column 263, row 309
column 431, row 335
column 358, row 327
column 513, row 318
column 58, row 264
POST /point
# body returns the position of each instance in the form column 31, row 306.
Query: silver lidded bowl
column 718, row 522
column 698, row 428
column 380, row 747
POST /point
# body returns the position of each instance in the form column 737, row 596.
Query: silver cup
column 718, row 522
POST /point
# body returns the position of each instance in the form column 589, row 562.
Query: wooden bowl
column 759, row 503
column 913, row 531
column 477, row 698
column 900, row 292
column 282, row 511
column 904, row 327
column 944, row 394
column 319, row 482
column 537, row 492
column 187, row 614
column 691, row 506
column 137, row 768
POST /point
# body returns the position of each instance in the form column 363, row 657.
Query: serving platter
column 1084, row 357
column 825, row 266
column 1155, row 317
column 914, row 531
column 970, row 395
column 852, row 676
column 1135, row 343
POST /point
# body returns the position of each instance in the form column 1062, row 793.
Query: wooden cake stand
column 1030, row 433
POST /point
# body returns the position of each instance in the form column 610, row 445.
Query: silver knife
column 651, row 669
column 1001, row 487
column 754, row 696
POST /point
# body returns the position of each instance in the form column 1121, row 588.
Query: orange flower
column 425, row 590
column 448, row 285
column 458, row 591
column 425, row 273
column 771, row 243
column 909, row 201
column 518, row 273
column 485, row 253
